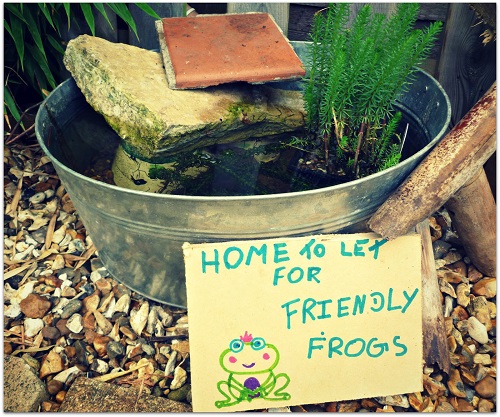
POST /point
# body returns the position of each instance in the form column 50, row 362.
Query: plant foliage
column 354, row 75
column 35, row 45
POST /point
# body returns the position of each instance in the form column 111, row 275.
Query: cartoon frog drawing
column 250, row 362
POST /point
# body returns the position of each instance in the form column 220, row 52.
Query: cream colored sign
column 303, row 320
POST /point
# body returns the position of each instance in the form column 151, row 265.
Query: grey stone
column 81, row 352
column 71, row 308
column 23, row 390
column 179, row 394
column 32, row 362
column 148, row 349
column 90, row 396
column 128, row 86
column 115, row 349
column 99, row 366
column 440, row 248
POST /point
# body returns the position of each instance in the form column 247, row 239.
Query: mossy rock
column 179, row 394
column 128, row 86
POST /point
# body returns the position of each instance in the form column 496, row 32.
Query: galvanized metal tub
column 139, row 235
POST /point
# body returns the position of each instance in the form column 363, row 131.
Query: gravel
column 65, row 316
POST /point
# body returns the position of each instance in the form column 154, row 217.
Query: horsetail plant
column 354, row 74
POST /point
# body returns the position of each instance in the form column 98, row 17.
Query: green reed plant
column 354, row 74
column 34, row 44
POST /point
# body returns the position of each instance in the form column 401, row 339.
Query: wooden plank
column 209, row 8
column 467, row 68
column 473, row 212
column 301, row 16
column 300, row 21
column 279, row 11
column 384, row 8
column 453, row 162
column 435, row 345
column 433, row 11
column 148, row 37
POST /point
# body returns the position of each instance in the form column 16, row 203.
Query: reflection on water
column 253, row 167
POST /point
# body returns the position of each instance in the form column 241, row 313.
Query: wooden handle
column 435, row 345
column 446, row 169
column 473, row 212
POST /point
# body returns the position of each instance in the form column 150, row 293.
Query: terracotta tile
column 208, row 50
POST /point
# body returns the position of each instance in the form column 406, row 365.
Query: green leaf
column 6, row 25
column 67, row 8
column 10, row 104
column 89, row 16
column 122, row 11
column 45, row 10
column 29, row 69
column 11, row 7
column 55, row 44
column 18, row 32
column 148, row 10
column 43, row 65
column 102, row 10
column 33, row 29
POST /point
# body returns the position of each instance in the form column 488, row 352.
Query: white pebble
column 123, row 304
column 37, row 198
column 477, row 330
column 95, row 276
column 166, row 319
column 139, row 318
column 22, row 292
column 32, row 327
column 448, row 306
column 64, row 375
column 111, row 309
column 38, row 222
column 170, row 366
column 58, row 308
column 59, row 235
column 29, row 240
column 165, row 350
column 279, row 410
column 8, row 292
column 49, row 193
column 65, row 282
column 22, row 246
column 8, row 243
column 12, row 311
column 76, row 245
column 74, row 323
column 180, row 377
column 66, row 240
column 152, row 320
column 23, row 255
column 102, row 367
column 58, row 263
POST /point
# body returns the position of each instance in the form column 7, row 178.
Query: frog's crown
column 246, row 337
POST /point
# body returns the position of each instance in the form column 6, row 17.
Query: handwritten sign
column 303, row 320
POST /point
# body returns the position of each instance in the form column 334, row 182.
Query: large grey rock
column 91, row 396
column 128, row 86
column 23, row 391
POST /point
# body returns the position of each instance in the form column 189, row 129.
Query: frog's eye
column 236, row 345
column 258, row 343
